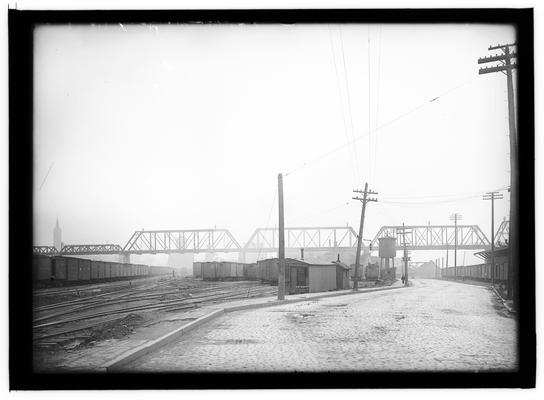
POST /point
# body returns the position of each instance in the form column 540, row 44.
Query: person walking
column 403, row 279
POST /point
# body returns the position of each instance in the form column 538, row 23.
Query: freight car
column 478, row 272
column 482, row 272
column 224, row 270
column 197, row 269
column 60, row 269
column 221, row 270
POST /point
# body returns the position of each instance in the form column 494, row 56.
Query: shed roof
column 341, row 264
column 499, row 252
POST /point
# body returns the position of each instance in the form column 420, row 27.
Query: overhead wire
column 377, row 120
column 480, row 192
column 392, row 121
column 453, row 199
column 350, row 150
column 369, row 106
column 268, row 221
column 420, row 203
column 46, row 175
column 350, row 113
column 319, row 213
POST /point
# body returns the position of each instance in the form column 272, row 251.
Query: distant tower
column 57, row 236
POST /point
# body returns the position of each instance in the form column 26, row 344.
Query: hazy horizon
column 186, row 126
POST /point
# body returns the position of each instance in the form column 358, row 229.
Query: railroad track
column 63, row 321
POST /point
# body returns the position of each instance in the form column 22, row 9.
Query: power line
column 448, row 195
column 46, row 175
column 349, row 102
column 404, row 115
column 307, row 216
column 377, row 120
column 342, row 104
column 369, row 107
column 268, row 221
column 402, row 203
column 437, row 201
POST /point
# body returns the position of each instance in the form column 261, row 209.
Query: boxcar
column 94, row 270
column 101, row 266
column 59, row 268
column 197, row 269
column 250, row 271
column 115, row 270
column 72, row 269
column 210, row 270
column 84, row 270
column 78, row 269
column 230, row 270
column 41, row 267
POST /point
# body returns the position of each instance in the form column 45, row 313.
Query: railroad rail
column 67, row 320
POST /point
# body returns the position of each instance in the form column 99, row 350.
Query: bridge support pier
column 125, row 258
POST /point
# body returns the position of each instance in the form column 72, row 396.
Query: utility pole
column 506, row 66
column 364, row 200
column 492, row 196
column 403, row 232
column 455, row 217
column 281, row 249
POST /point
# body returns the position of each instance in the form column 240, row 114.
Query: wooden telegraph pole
column 506, row 66
column 455, row 217
column 364, row 200
column 281, row 246
column 405, row 258
column 492, row 196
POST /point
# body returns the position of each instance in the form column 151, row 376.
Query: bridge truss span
column 435, row 237
column 502, row 235
column 181, row 241
column 45, row 250
column 89, row 249
column 318, row 238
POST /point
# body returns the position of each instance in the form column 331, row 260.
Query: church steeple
column 57, row 236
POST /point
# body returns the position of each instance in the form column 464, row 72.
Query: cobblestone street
column 432, row 325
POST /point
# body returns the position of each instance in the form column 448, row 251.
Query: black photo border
column 22, row 377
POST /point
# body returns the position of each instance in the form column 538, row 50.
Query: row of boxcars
column 224, row 270
column 300, row 276
column 479, row 272
column 59, row 268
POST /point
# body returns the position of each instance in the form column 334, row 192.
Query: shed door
column 339, row 278
column 293, row 279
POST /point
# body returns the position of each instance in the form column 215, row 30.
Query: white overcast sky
column 187, row 126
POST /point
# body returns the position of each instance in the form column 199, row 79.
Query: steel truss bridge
column 434, row 237
column 502, row 235
column 184, row 241
column 263, row 240
column 319, row 238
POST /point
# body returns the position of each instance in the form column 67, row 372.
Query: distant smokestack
column 338, row 257
column 302, row 254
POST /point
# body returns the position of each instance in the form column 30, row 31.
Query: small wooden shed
column 304, row 277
